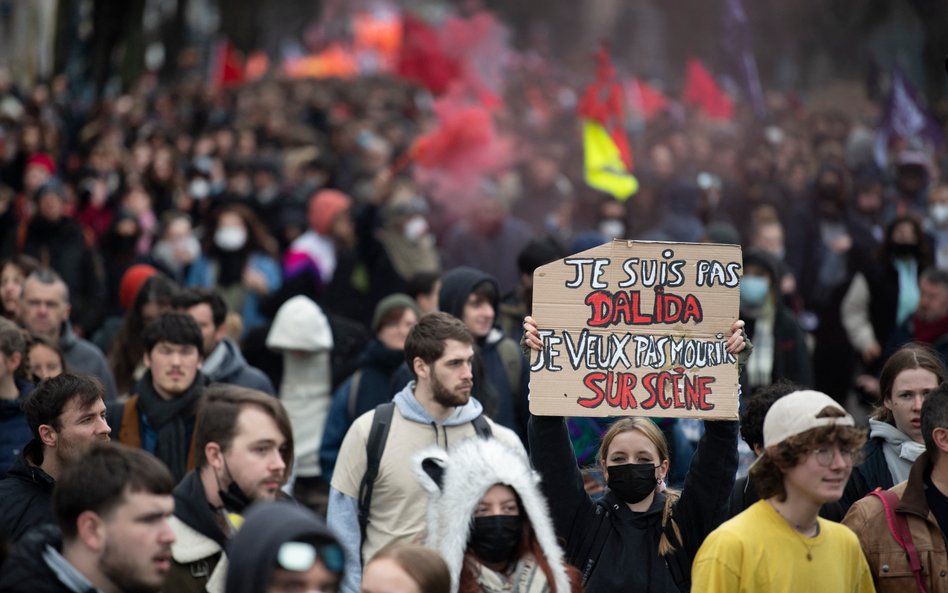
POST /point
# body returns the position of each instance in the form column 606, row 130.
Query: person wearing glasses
column 283, row 547
column 780, row 544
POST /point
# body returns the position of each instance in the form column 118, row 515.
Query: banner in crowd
column 634, row 328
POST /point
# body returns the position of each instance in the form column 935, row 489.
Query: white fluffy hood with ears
column 456, row 481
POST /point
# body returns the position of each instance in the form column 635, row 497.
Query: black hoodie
column 505, row 403
column 252, row 552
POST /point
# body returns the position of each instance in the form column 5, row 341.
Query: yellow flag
column 605, row 170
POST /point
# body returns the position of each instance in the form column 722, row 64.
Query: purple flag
column 905, row 118
column 737, row 46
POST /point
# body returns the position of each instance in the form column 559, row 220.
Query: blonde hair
column 648, row 429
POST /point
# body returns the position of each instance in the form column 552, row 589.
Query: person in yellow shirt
column 780, row 544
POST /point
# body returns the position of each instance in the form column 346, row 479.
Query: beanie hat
column 392, row 301
column 41, row 159
column 131, row 284
column 324, row 207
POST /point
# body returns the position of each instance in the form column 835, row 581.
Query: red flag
column 602, row 103
column 228, row 65
column 703, row 92
column 646, row 99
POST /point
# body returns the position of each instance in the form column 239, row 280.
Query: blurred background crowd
column 349, row 150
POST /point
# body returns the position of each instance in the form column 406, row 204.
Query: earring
column 661, row 484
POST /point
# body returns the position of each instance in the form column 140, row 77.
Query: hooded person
column 301, row 333
column 501, row 372
column 283, row 547
column 489, row 520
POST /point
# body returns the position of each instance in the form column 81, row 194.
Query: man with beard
column 244, row 454
column 112, row 508
column 160, row 416
column 434, row 409
column 66, row 414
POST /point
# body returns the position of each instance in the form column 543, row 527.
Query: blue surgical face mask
column 754, row 290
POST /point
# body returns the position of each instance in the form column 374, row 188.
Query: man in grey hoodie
column 434, row 409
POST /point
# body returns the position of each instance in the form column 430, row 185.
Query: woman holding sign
column 641, row 536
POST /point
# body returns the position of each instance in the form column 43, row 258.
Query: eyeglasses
column 826, row 455
column 301, row 556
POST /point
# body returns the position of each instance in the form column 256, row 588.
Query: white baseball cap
column 796, row 413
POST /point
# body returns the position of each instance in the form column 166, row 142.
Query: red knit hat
column 41, row 159
column 324, row 207
column 132, row 281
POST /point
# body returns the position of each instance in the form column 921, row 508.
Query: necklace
column 805, row 531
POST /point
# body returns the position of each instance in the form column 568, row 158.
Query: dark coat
column 25, row 499
column 791, row 356
column 872, row 473
column 63, row 246
column 25, row 571
column 701, row 508
column 15, row 433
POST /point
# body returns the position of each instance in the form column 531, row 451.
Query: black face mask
column 905, row 250
column 632, row 482
column 234, row 498
column 495, row 538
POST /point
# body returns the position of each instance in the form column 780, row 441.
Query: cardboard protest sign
column 637, row 328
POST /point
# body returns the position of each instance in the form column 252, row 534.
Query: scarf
column 900, row 451
column 169, row 419
column 930, row 331
column 527, row 577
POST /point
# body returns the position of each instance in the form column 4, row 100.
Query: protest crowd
column 268, row 325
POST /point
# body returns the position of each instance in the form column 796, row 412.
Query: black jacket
column 873, row 472
column 25, row 571
column 629, row 560
column 25, row 499
column 791, row 357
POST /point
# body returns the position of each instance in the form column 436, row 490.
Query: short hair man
column 44, row 311
column 112, row 508
column 927, row 324
column 223, row 361
column 160, row 416
column 244, row 454
column 284, row 548
column 434, row 409
column 66, row 415
column 780, row 542
column 923, row 503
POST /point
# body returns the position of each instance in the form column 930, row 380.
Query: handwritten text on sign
column 637, row 328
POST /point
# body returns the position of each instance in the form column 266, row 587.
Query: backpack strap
column 375, row 446
column 512, row 358
column 353, row 400
column 586, row 554
column 899, row 527
column 481, row 427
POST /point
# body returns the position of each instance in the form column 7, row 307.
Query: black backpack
column 375, row 446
